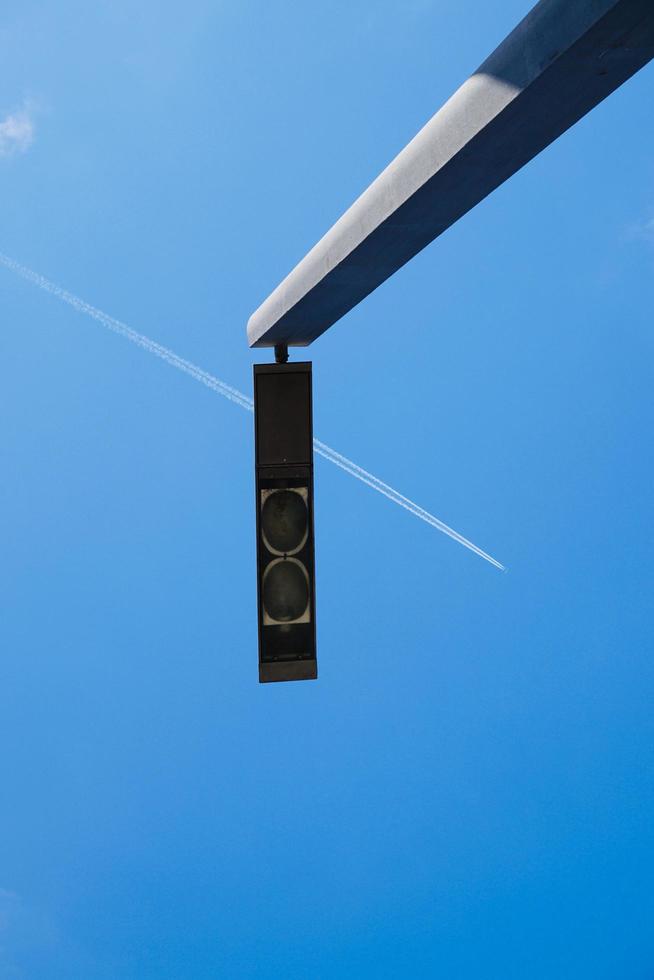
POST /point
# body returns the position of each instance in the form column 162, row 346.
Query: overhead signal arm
column 564, row 58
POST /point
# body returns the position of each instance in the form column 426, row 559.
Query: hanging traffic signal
column 284, row 507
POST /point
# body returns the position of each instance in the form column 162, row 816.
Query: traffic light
column 284, row 508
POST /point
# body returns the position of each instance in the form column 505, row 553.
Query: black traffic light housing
column 284, row 507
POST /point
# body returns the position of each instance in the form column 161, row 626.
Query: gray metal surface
column 558, row 63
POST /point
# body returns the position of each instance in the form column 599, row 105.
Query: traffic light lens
column 285, row 591
column 284, row 521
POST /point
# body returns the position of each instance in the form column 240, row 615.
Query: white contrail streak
column 121, row 328
column 373, row 481
column 237, row 397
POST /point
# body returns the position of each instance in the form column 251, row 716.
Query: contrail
column 237, row 397
column 121, row 328
column 373, row 481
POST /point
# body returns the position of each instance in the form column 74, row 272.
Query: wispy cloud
column 23, row 930
column 17, row 131
column 646, row 230
column 640, row 231
column 8, row 901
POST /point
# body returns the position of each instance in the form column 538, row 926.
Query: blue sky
column 467, row 790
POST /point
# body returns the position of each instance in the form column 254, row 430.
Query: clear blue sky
column 467, row 790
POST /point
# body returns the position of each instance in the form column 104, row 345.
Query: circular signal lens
column 284, row 521
column 285, row 590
